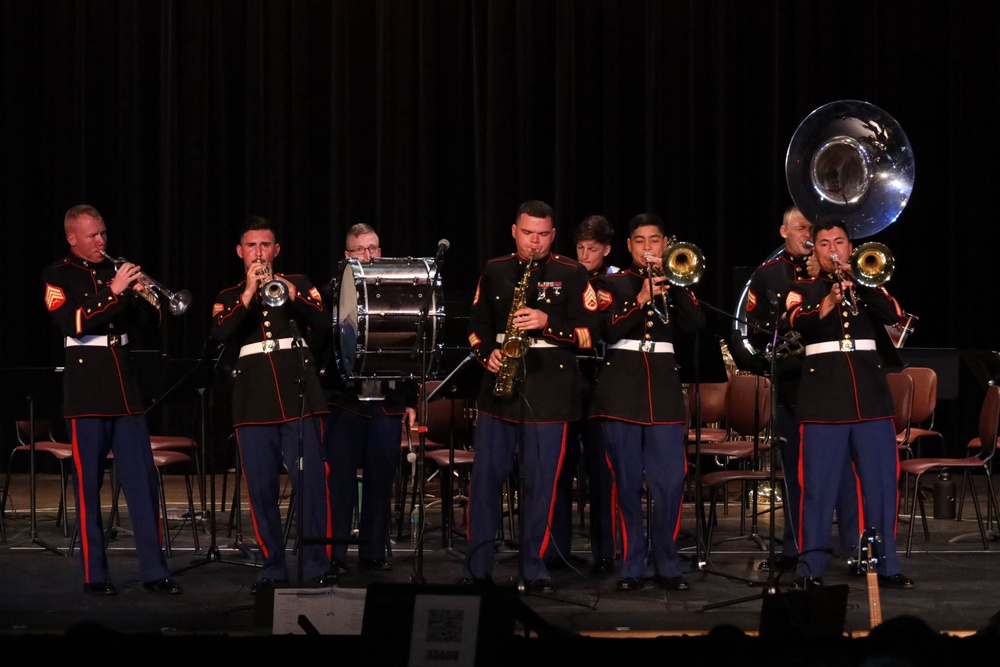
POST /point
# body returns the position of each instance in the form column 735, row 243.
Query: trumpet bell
column 179, row 302
column 683, row 263
column 274, row 293
column 872, row 264
column 850, row 159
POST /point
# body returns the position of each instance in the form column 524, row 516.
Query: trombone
column 178, row 301
column 872, row 265
column 682, row 263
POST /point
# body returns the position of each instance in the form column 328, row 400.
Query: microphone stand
column 418, row 564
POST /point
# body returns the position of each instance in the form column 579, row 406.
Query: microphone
column 443, row 246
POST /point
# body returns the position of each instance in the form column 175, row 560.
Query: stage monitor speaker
column 818, row 613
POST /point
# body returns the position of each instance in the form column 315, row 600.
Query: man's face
column 591, row 254
column 257, row 245
column 645, row 239
column 832, row 246
column 87, row 237
column 795, row 232
column 363, row 247
column 533, row 236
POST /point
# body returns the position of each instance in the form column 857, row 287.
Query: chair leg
column 163, row 514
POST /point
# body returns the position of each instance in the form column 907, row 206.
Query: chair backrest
column 749, row 403
column 989, row 423
column 925, row 382
column 901, row 386
column 41, row 428
column 713, row 397
column 446, row 419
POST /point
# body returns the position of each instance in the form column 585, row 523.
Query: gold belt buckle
column 847, row 345
column 113, row 340
column 647, row 345
column 269, row 345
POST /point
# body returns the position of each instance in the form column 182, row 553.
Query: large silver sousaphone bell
column 850, row 159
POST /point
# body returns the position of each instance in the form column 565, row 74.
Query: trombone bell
column 872, row 264
column 683, row 263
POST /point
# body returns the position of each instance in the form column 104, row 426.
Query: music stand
column 202, row 378
column 44, row 388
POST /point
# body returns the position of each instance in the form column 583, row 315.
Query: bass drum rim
column 355, row 331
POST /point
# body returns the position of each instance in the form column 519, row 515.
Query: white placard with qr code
column 444, row 630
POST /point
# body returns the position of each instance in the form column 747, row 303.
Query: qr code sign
column 445, row 625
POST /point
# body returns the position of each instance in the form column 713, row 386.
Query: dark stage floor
column 957, row 592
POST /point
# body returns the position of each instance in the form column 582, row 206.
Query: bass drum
column 388, row 316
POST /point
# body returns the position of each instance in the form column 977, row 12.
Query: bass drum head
column 388, row 316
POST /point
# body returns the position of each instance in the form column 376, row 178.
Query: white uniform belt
column 533, row 342
column 268, row 346
column 846, row 345
column 642, row 346
column 112, row 340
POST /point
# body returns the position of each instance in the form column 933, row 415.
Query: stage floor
column 957, row 583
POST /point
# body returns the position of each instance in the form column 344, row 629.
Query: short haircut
column 359, row 229
column 645, row 219
column 789, row 212
column 256, row 223
column 80, row 210
column 830, row 222
column 536, row 209
column 595, row 228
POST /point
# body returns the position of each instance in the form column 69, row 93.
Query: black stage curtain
column 434, row 118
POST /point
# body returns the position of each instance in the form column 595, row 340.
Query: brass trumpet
column 153, row 290
column 272, row 291
column 682, row 263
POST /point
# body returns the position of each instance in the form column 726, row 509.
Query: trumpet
column 272, row 291
column 153, row 290
column 682, row 263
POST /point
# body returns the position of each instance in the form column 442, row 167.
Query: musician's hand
column 812, row 266
column 127, row 274
column 529, row 319
column 410, row 417
column 493, row 363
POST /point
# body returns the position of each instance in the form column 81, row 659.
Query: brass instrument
column 872, row 264
column 850, row 299
column 682, row 263
column 153, row 290
column 272, row 291
column 515, row 342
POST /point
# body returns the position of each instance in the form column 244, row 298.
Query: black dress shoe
column 100, row 588
column 806, row 583
column 165, row 586
column 674, row 583
column 374, row 564
column 261, row 585
column 542, row 586
column 629, row 584
column 898, row 580
column 338, row 566
column 603, row 566
column 329, row 579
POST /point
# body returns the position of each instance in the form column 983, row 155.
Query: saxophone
column 515, row 342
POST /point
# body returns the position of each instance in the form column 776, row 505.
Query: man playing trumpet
column 278, row 402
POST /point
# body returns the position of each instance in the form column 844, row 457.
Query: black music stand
column 462, row 383
column 43, row 394
column 203, row 379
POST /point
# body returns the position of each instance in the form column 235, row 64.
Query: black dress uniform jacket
column 640, row 387
column 822, row 396
column 558, row 285
column 265, row 385
column 99, row 381
column 774, row 278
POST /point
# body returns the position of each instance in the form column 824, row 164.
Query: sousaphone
column 848, row 159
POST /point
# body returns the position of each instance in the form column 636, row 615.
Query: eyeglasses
column 371, row 250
